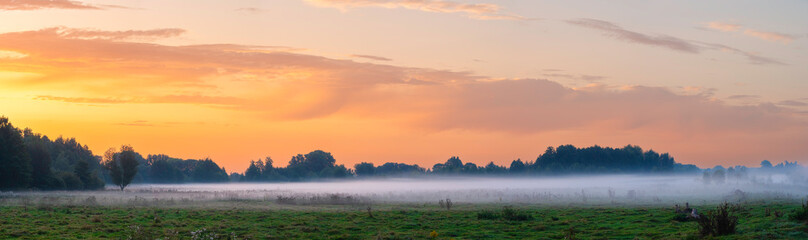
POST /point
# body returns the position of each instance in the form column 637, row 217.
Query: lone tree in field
column 122, row 166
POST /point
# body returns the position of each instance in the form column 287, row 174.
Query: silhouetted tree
column 253, row 173
column 122, row 166
column 517, row 166
column 42, row 176
column 492, row 168
column 318, row 160
column 398, row 169
column 236, row 177
column 163, row 169
column 269, row 172
column 15, row 164
column 470, row 168
column 208, row 171
column 453, row 165
column 89, row 180
column 364, row 169
column 765, row 164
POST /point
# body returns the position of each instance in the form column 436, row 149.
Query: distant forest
column 33, row 161
column 565, row 159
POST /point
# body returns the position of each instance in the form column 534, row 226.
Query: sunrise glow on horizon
column 711, row 83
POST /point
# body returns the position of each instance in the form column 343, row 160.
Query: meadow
column 759, row 220
column 594, row 207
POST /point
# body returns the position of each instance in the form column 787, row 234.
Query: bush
column 801, row 214
column 487, row 215
column 718, row 222
column 508, row 213
column 681, row 217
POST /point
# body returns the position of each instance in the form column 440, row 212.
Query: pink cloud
column 482, row 11
column 119, row 35
column 42, row 4
column 376, row 58
column 724, row 27
column 769, row 36
column 765, row 35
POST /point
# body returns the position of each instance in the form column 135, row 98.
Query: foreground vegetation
column 421, row 221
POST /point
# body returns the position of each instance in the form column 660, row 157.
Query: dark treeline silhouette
column 565, row 159
column 34, row 161
column 161, row 168
column 568, row 159
column 365, row 169
column 596, row 159
column 313, row 165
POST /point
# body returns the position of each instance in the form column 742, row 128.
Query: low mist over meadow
column 595, row 190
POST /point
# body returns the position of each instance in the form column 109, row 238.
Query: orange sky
column 167, row 85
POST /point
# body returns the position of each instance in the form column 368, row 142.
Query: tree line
column 33, row 161
column 30, row 160
column 313, row 165
column 565, row 159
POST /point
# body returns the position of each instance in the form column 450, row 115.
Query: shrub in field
column 718, row 222
column 681, row 217
column 487, row 215
column 801, row 214
column 508, row 213
column 286, row 200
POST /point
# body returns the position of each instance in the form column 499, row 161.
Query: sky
column 411, row 81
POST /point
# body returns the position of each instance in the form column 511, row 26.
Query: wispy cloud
column 483, row 11
column 371, row 57
column 669, row 42
column 792, row 103
column 618, row 32
column 752, row 57
column 253, row 10
column 77, row 33
column 770, row 36
column 44, row 4
column 583, row 77
column 743, row 97
column 765, row 35
column 724, row 27
column 179, row 99
column 81, row 99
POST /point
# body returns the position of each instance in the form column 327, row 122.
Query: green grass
column 392, row 222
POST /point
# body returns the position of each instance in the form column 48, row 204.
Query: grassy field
column 756, row 221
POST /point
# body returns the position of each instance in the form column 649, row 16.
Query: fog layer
column 566, row 191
